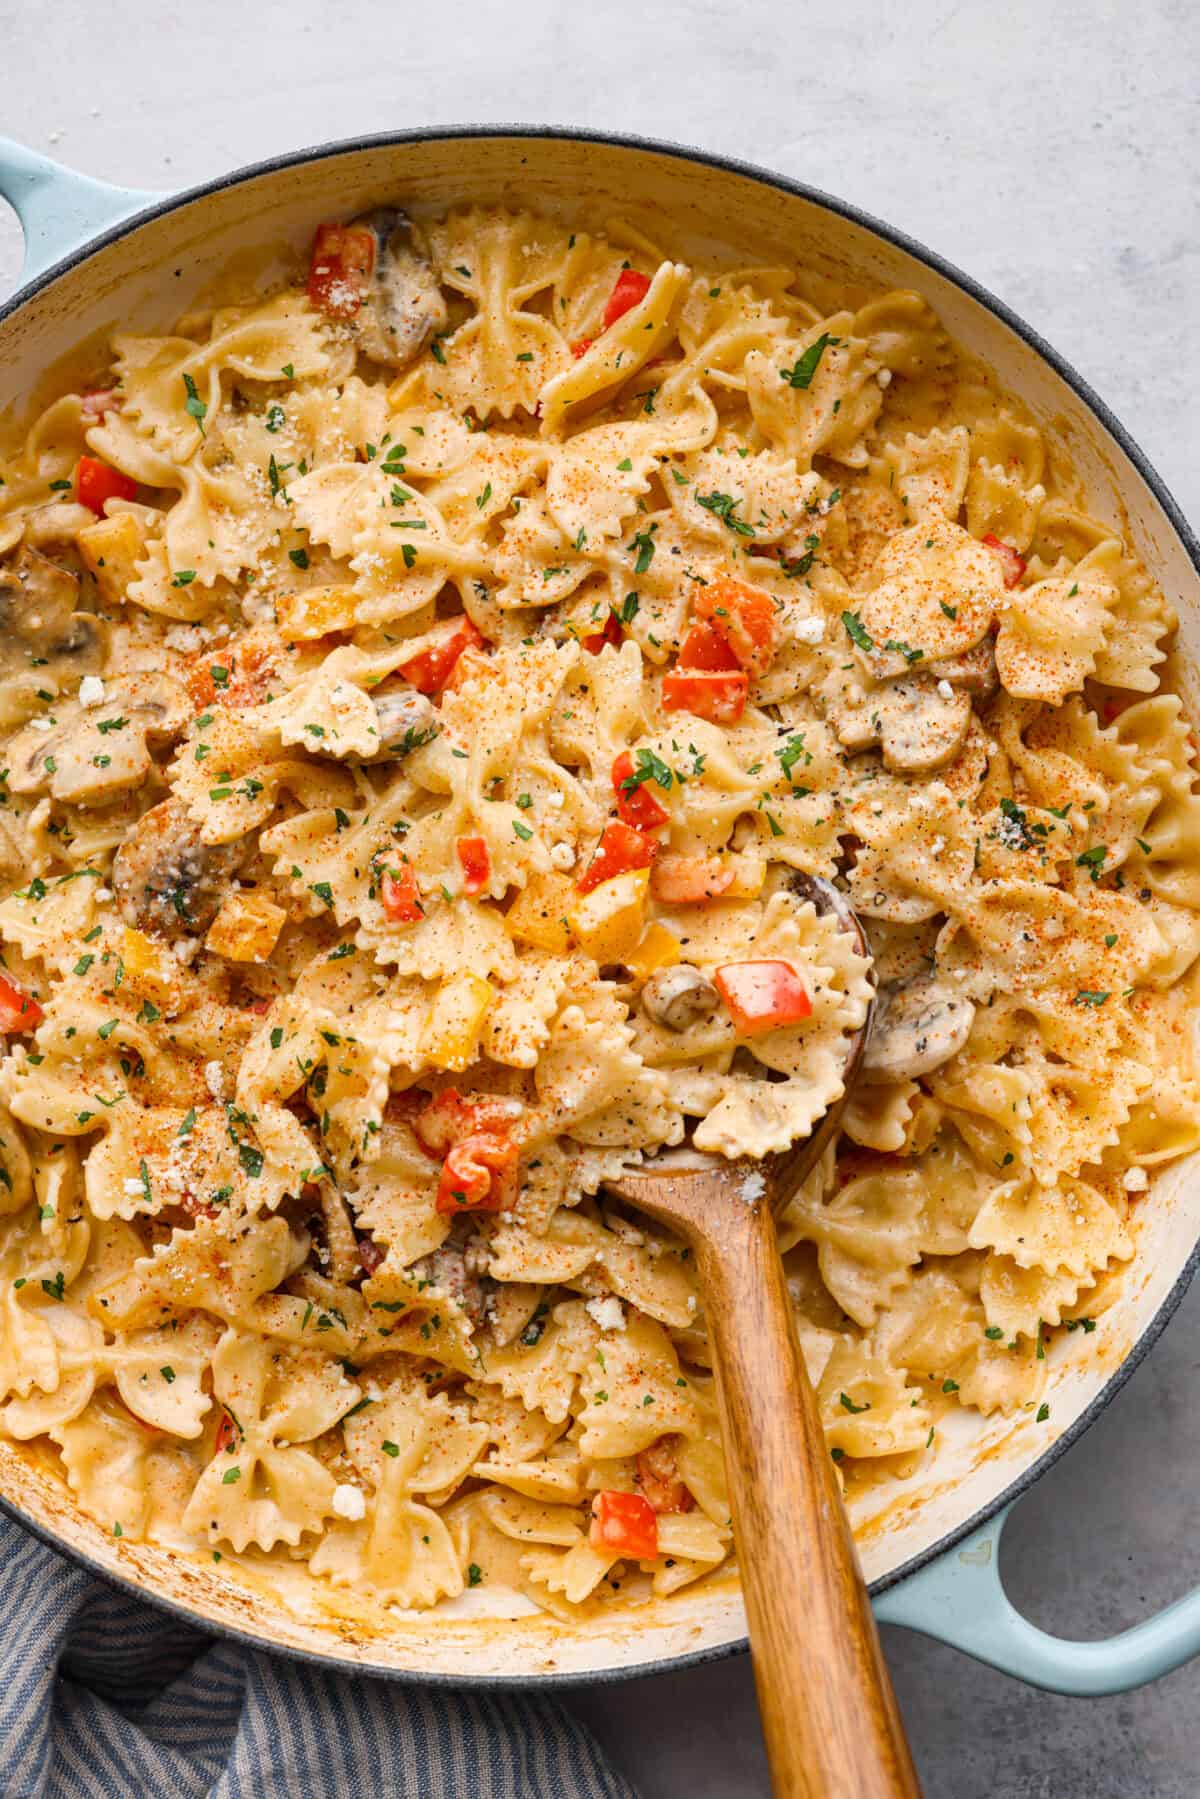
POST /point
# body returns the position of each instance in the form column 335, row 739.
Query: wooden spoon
column 829, row 1714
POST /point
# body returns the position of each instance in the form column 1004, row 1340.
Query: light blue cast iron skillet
column 100, row 257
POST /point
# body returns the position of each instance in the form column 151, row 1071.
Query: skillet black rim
column 1112, row 425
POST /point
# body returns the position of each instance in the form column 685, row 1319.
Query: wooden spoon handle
column 829, row 1714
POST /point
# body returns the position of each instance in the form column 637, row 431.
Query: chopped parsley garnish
column 649, row 768
column 857, row 631
column 193, row 405
column 724, row 506
column 805, row 367
column 792, row 752
column 644, row 544
column 900, row 648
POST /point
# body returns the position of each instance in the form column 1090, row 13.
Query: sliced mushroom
column 678, row 997
column 918, row 1026
column 91, row 753
column 918, row 727
column 405, row 305
column 407, row 719
column 38, row 619
column 166, row 879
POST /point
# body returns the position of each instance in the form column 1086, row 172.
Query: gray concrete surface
column 1050, row 149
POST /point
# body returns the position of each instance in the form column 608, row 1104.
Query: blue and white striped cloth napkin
column 102, row 1697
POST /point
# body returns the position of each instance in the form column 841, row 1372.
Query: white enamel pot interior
column 143, row 276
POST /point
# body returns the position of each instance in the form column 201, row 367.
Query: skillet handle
column 59, row 209
column 959, row 1599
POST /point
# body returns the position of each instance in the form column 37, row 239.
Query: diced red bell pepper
column 442, row 1122
column 619, row 850
column 581, row 346
column 430, row 671
column 707, row 648
column 475, row 862
column 629, row 290
column 718, row 696
column 689, row 880
column 763, row 996
column 478, row 1174
column 17, row 1011
column 637, row 805
column 96, row 482
column 612, row 633
column 226, row 1434
column 745, row 617
column 1012, row 563
column 400, row 895
column 340, row 269
column 479, row 1158
column 624, row 1524
column 97, row 401
column 658, row 1477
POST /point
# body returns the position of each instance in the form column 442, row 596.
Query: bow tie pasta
column 428, row 690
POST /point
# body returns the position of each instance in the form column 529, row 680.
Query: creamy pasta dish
column 427, row 690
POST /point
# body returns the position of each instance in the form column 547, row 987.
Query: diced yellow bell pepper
column 659, row 948
column 607, row 922
column 247, row 928
column 315, row 612
column 150, row 970
column 111, row 549
column 538, row 915
column 749, row 873
column 455, row 1021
